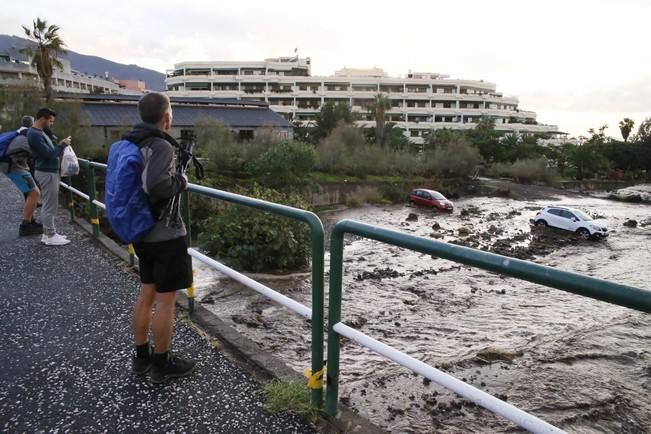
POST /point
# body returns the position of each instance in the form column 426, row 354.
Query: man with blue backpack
column 15, row 155
column 141, row 184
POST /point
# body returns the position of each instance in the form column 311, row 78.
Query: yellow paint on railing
column 315, row 381
column 131, row 250
column 94, row 222
column 191, row 288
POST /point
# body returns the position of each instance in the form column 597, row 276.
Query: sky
column 579, row 64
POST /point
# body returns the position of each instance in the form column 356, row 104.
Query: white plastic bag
column 69, row 162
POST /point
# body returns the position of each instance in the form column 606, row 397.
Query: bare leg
column 163, row 324
column 30, row 204
column 142, row 313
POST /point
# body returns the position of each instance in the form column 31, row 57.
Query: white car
column 573, row 220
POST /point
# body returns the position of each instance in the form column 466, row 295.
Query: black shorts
column 166, row 264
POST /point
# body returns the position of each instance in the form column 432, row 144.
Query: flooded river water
column 580, row 364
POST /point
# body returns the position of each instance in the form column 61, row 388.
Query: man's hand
column 66, row 141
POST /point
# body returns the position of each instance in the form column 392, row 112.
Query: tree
column 644, row 131
column 331, row 115
column 45, row 54
column 625, row 126
column 378, row 109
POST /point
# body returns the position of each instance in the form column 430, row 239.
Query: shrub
column 455, row 160
column 253, row 240
column 528, row 170
column 286, row 164
column 334, row 151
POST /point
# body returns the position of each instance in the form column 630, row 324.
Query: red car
column 430, row 198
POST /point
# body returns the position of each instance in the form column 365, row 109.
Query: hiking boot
column 35, row 223
column 140, row 365
column 27, row 229
column 173, row 367
column 54, row 240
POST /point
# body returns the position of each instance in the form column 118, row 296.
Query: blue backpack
column 127, row 204
column 5, row 140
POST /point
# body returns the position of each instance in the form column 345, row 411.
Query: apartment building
column 419, row 102
column 16, row 71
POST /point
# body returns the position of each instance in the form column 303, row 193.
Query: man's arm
column 41, row 148
column 161, row 182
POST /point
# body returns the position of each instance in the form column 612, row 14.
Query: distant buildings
column 419, row 103
column 108, row 117
column 16, row 71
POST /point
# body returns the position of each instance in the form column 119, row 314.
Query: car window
column 567, row 214
column 438, row 196
column 427, row 196
column 554, row 211
column 419, row 193
column 583, row 216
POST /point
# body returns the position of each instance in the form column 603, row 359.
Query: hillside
column 95, row 65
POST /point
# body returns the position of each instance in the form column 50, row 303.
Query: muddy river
column 580, row 364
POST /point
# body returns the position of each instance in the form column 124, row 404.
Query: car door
column 554, row 218
column 573, row 221
column 418, row 197
column 566, row 220
column 427, row 199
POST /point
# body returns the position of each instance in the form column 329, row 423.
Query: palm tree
column 378, row 108
column 44, row 54
column 626, row 126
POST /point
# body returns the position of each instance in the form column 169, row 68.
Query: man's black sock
column 143, row 351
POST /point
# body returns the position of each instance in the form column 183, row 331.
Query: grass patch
column 290, row 397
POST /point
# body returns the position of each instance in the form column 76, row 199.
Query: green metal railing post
column 71, row 200
column 185, row 207
column 334, row 316
column 317, row 237
column 94, row 214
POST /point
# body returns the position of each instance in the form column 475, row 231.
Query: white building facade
column 14, row 72
column 419, row 103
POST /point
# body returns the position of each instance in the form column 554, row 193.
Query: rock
column 436, row 226
column 435, row 235
column 630, row 223
column 412, row 217
column 464, row 232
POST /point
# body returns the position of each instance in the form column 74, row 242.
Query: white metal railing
column 290, row 304
column 479, row 397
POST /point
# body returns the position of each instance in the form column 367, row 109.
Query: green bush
column 286, row 164
column 529, row 170
column 394, row 192
column 253, row 240
column 457, row 159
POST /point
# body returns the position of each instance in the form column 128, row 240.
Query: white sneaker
column 54, row 240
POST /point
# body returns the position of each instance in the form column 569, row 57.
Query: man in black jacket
column 165, row 265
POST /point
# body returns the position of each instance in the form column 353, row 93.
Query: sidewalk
column 66, row 346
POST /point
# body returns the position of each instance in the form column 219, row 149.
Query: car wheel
column 583, row 233
column 411, row 203
column 541, row 223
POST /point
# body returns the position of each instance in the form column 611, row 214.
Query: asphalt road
column 65, row 348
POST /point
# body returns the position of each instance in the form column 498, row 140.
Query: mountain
column 93, row 65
